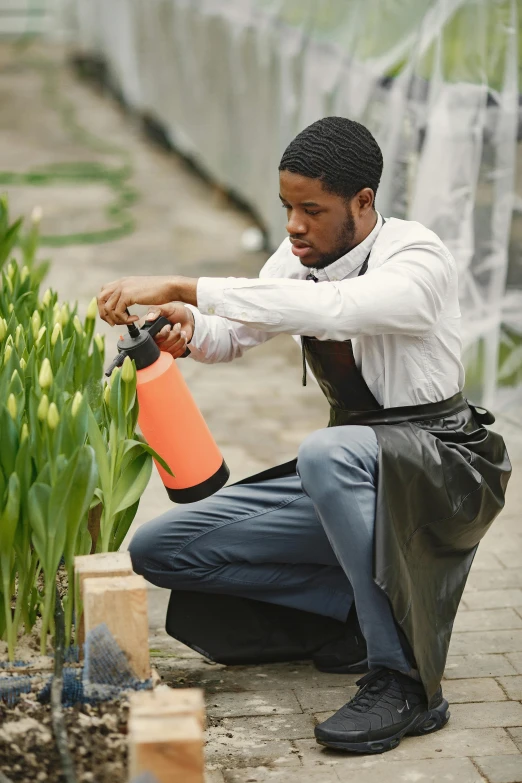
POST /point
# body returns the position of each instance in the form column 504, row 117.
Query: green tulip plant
column 68, row 443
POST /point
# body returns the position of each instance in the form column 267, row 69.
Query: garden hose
column 116, row 177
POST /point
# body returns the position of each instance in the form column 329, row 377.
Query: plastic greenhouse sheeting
column 438, row 82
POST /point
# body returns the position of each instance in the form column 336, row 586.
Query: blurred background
column 225, row 85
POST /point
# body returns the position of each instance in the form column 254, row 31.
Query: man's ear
column 364, row 201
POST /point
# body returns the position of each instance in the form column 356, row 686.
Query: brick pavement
column 262, row 718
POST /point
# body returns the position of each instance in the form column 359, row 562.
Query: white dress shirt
column 402, row 316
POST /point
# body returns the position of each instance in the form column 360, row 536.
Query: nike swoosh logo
column 400, row 711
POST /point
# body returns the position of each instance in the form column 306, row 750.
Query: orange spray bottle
column 170, row 420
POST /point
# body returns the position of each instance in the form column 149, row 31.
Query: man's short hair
column 342, row 153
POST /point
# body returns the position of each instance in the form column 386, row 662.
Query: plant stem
column 69, row 606
column 8, row 619
column 60, row 732
column 46, row 616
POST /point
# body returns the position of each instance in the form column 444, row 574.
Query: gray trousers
column 303, row 541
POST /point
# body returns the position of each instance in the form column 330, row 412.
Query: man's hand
column 116, row 297
column 173, row 339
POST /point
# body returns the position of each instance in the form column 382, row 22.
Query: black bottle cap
column 139, row 344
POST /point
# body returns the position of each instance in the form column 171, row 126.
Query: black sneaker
column 387, row 706
column 344, row 656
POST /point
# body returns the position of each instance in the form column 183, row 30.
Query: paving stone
column 512, row 686
column 269, row 727
column 322, row 699
column 515, row 733
column 473, row 690
column 226, row 751
column 464, row 666
column 477, row 716
column 486, row 641
column 214, row 776
column 272, row 677
column 493, row 599
column 510, row 559
column 494, row 580
column 262, row 775
column 229, row 705
column 515, row 659
column 487, row 620
column 501, row 769
column 447, row 743
column 382, row 769
column 485, row 560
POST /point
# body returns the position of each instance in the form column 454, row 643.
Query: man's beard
column 344, row 243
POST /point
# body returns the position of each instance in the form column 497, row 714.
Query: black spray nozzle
column 139, row 344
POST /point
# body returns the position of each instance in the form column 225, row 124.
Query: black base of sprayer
column 203, row 490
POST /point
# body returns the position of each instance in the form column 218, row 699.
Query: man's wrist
column 183, row 289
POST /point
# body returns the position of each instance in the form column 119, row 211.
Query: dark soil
column 97, row 739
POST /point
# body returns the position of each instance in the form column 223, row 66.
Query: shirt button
column 211, row 310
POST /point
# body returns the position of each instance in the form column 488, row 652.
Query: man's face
column 322, row 226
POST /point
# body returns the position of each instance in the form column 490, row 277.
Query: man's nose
column 295, row 225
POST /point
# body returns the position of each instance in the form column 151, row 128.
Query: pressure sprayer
column 170, row 420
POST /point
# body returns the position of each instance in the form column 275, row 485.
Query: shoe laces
column 372, row 686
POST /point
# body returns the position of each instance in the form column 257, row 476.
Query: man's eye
column 285, row 206
column 309, row 212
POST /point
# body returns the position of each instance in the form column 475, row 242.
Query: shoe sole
column 426, row 723
column 360, row 667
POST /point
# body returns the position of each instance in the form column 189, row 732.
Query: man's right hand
column 173, row 339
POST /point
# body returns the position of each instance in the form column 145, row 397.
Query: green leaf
column 121, row 526
column 71, row 497
column 9, row 515
column 131, row 443
column 39, row 496
column 100, row 449
column 132, row 482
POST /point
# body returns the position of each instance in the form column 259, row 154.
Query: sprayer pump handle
column 153, row 327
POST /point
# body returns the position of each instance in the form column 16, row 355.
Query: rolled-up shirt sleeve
column 219, row 340
column 405, row 295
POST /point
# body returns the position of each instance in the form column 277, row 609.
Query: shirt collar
column 352, row 260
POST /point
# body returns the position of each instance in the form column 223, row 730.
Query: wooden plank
column 121, row 603
column 170, row 748
column 169, row 702
column 103, row 564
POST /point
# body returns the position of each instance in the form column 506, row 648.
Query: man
column 382, row 516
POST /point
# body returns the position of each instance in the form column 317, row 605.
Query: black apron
column 441, row 482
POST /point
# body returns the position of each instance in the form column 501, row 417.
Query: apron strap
column 481, row 415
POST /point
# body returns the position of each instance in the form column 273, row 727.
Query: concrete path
column 261, row 718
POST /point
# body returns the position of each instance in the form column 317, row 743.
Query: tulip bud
column 9, row 284
column 18, row 333
column 107, row 394
column 24, row 274
column 9, row 340
column 14, row 376
column 10, row 308
column 36, row 322
column 77, row 401
column 78, row 325
column 46, row 299
column 114, row 376
column 12, row 406
column 10, row 270
column 25, row 432
column 65, row 314
column 92, row 310
column 23, row 363
column 43, row 408
column 45, row 378
column 8, row 350
column 57, row 332
column 36, row 215
column 127, row 370
column 56, row 307
column 3, row 328
column 53, row 417
column 41, row 334
column 100, row 344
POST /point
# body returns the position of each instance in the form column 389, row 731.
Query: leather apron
column 441, row 482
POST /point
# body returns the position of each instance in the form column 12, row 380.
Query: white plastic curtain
column 437, row 82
